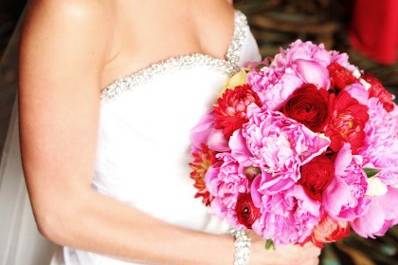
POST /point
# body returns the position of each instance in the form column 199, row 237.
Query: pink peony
column 277, row 145
column 274, row 87
column 381, row 142
column 344, row 198
column 307, row 50
column 287, row 217
column 381, row 215
column 225, row 181
column 302, row 62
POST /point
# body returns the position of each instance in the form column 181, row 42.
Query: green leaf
column 269, row 244
column 370, row 172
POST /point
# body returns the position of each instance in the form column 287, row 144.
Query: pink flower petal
column 313, row 73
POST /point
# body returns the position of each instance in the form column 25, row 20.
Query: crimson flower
column 340, row 76
column 347, row 121
column 379, row 91
column 230, row 110
column 246, row 212
column 309, row 106
column 316, row 176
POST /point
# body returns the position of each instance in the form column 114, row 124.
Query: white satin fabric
column 144, row 146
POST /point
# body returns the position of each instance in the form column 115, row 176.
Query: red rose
column 347, row 121
column 340, row 76
column 230, row 110
column 246, row 212
column 316, row 176
column 329, row 230
column 309, row 106
column 379, row 91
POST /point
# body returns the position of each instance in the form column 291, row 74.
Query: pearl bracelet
column 241, row 246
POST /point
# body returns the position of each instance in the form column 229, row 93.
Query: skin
column 68, row 52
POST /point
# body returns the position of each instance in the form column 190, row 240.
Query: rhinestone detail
column 240, row 35
column 229, row 65
column 242, row 244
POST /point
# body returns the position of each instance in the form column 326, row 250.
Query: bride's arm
column 64, row 45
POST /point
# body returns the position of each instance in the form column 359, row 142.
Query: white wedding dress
column 143, row 146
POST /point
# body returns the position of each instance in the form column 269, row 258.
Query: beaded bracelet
column 241, row 246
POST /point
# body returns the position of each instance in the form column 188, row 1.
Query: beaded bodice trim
column 229, row 65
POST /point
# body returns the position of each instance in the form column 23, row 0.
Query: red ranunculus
column 246, row 212
column 230, row 110
column 379, row 91
column 347, row 121
column 329, row 230
column 308, row 105
column 316, row 176
column 340, row 76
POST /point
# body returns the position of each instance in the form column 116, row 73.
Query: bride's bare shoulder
column 67, row 28
column 72, row 8
column 54, row 15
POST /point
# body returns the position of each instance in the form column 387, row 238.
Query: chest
column 141, row 39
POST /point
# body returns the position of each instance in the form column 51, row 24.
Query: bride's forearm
column 97, row 223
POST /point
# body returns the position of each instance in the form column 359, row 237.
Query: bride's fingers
column 254, row 236
column 315, row 251
column 312, row 249
column 312, row 262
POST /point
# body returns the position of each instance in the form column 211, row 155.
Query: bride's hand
column 282, row 255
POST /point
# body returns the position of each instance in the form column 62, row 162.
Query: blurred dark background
column 275, row 23
column 10, row 11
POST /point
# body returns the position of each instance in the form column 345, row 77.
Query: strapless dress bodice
column 143, row 146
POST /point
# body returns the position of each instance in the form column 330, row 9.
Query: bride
column 108, row 92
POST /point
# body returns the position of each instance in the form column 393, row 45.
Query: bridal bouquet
column 301, row 147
